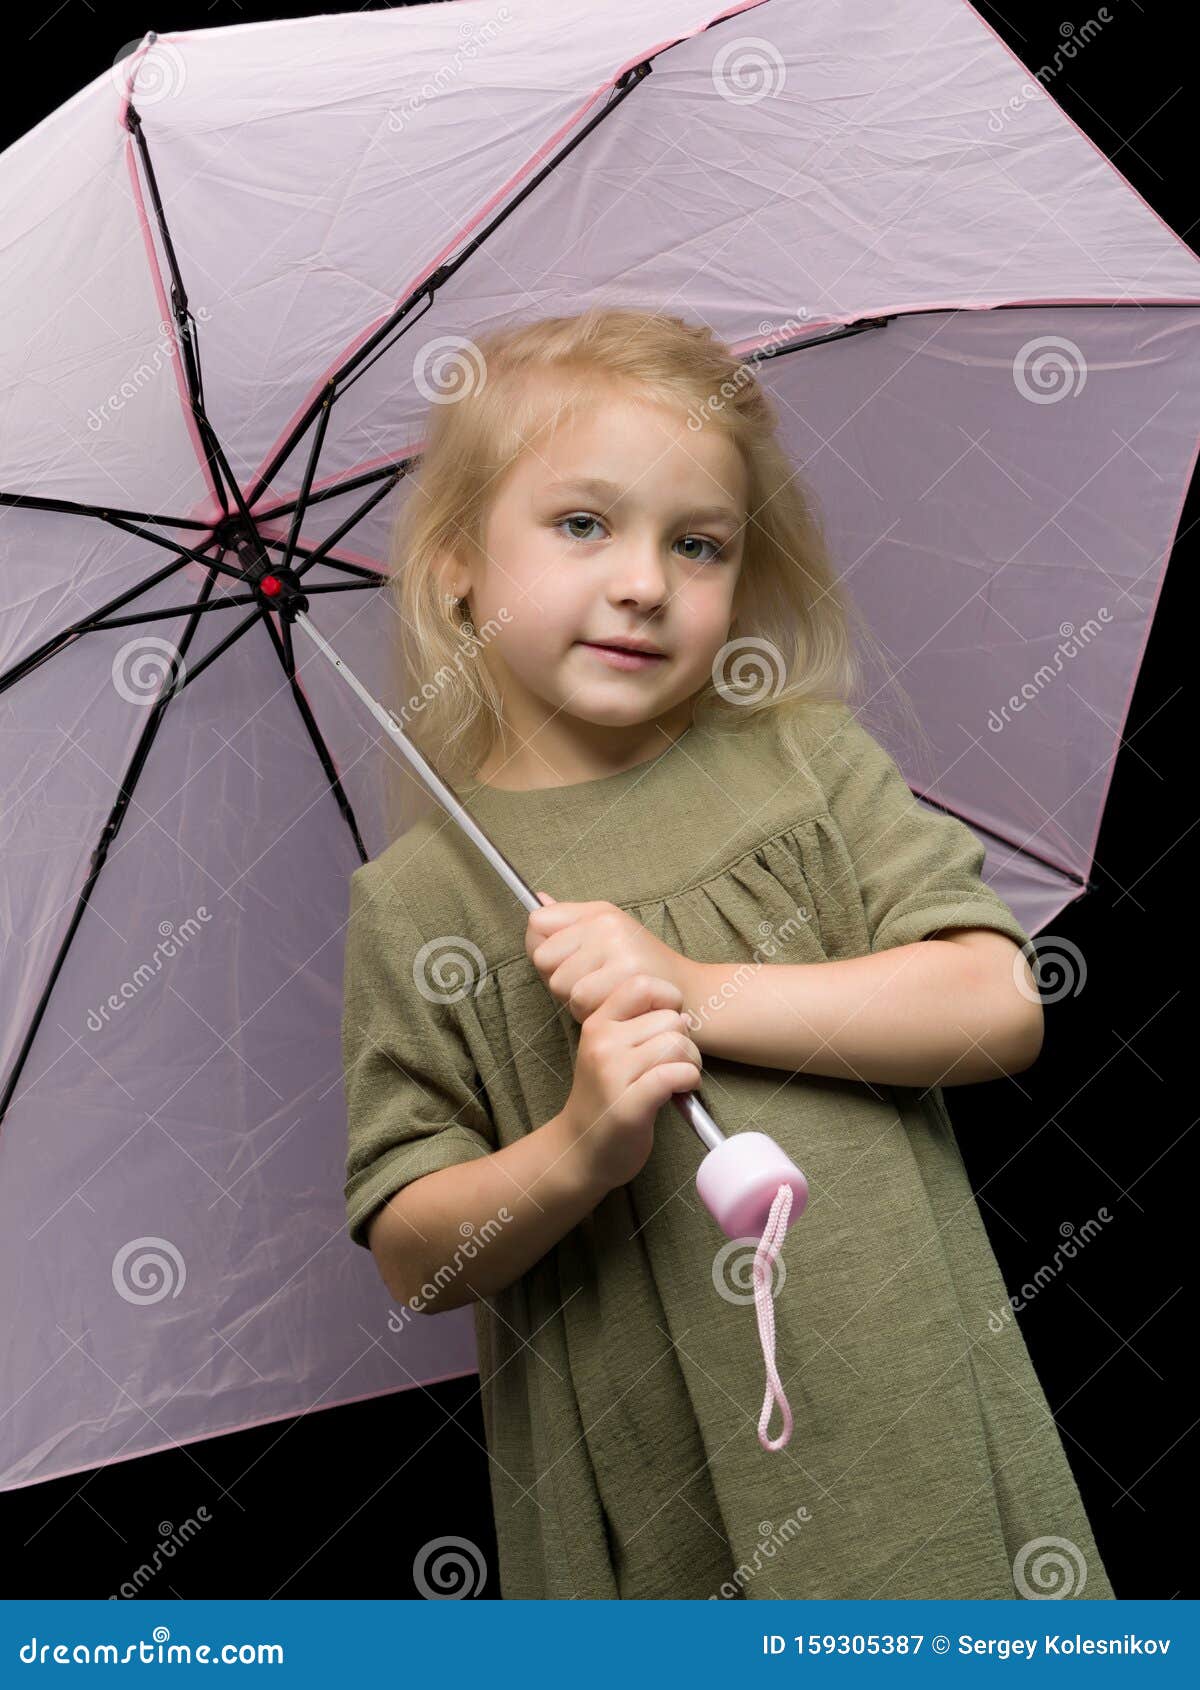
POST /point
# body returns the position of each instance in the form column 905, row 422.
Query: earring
column 466, row 626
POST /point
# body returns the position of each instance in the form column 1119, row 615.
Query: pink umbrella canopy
column 984, row 347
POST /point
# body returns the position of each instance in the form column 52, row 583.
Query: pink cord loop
column 768, row 1249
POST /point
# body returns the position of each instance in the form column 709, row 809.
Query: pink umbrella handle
column 739, row 1180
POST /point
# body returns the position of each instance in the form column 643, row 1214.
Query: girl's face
column 621, row 523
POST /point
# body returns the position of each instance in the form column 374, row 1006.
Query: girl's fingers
column 554, row 915
column 637, row 994
column 546, row 954
column 656, row 1021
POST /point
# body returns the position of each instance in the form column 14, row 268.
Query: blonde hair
column 787, row 595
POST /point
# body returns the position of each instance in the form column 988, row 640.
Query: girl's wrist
column 572, row 1163
column 697, row 984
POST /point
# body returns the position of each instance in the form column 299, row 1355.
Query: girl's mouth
column 618, row 658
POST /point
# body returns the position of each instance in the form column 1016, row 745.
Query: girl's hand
column 634, row 1055
column 584, row 951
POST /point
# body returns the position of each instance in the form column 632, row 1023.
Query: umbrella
column 235, row 274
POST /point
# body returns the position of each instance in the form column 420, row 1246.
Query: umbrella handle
column 739, row 1177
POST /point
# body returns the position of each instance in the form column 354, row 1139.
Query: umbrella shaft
column 688, row 1104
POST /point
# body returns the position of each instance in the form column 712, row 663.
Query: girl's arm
column 935, row 999
column 939, row 1011
column 513, row 1205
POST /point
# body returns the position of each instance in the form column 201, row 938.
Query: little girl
column 723, row 866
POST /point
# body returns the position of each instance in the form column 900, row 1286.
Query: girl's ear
column 453, row 581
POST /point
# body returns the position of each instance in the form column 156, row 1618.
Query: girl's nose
column 638, row 577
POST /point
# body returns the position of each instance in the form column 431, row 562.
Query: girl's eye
column 700, row 539
column 580, row 516
column 589, row 521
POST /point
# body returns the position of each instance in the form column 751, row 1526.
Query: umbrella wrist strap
column 769, row 1246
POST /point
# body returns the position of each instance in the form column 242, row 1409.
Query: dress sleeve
column 413, row 1099
column 918, row 869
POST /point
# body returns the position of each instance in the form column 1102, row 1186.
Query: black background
column 336, row 1503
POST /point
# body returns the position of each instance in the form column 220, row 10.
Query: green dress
column 621, row 1387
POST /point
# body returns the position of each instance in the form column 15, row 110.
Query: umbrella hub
column 275, row 585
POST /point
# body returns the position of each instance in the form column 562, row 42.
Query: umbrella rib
column 224, row 604
column 220, row 474
column 106, row 512
column 1004, row 839
column 319, row 554
column 281, row 639
column 68, row 636
column 372, row 576
column 111, row 827
column 306, row 484
column 763, row 354
column 334, row 491
column 621, row 88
